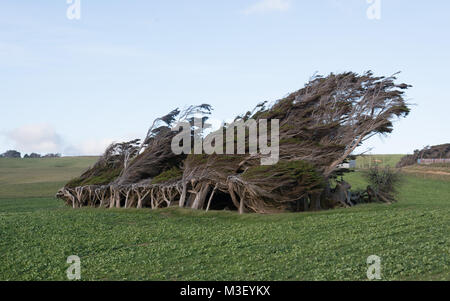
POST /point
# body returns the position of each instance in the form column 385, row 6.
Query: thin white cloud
column 90, row 147
column 265, row 6
column 40, row 138
column 96, row 147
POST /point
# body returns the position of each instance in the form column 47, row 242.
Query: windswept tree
column 440, row 152
column 155, row 155
column 320, row 126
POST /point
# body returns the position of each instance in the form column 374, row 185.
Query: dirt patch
column 428, row 172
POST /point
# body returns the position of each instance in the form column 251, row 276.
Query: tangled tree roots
column 195, row 195
column 320, row 127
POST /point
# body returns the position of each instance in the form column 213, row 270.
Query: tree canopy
column 320, row 126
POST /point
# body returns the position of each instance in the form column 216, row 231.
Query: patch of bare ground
column 430, row 171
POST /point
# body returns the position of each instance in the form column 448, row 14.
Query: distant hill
column 441, row 151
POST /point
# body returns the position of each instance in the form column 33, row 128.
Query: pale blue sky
column 72, row 86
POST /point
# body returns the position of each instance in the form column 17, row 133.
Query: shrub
column 383, row 182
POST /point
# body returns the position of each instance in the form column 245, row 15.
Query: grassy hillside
column 39, row 177
column 434, row 171
column 411, row 237
column 380, row 160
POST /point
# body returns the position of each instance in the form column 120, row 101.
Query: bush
column 383, row 183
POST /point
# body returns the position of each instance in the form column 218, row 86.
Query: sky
column 73, row 85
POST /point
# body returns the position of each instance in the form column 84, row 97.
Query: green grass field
column 39, row 177
column 381, row 160
column 38, row 233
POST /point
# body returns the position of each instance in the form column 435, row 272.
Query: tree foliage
column 320, row 127
column 11, row 154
